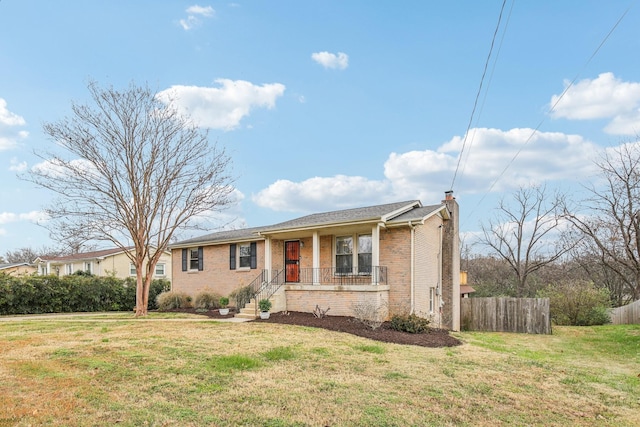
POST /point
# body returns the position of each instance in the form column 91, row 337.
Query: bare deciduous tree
column 611, row 221
column 138, row 172
column 29, row 255
column 521, row 234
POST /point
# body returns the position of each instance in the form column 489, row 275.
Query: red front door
column 292, row 261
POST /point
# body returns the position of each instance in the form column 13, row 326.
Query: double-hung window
column 88, row 267
column 192, row 259
column 348, row 255
column 344, row 255
column 159, row 269
column 364, row 253
column 243, row 256
column 69, row 268
column 132, row 269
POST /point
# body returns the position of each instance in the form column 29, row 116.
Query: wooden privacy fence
column 523, row 315
column 627, row 314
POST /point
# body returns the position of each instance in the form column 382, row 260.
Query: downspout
column 439, row 285
column 413, row 265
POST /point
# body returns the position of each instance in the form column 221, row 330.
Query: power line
column 486, row 92
column 555, row 104
column 475, row 103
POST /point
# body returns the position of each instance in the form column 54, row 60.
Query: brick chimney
column 451, row 264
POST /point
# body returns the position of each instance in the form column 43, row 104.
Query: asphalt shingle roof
column 369, row 213
column 15, row 264
column 417, row 213
column 242, row 233
column 346, row 215
column 85, row 255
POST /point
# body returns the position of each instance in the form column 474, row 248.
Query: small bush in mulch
column 430, row 338
column 410, row 323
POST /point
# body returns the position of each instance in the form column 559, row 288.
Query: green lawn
column 170, row 371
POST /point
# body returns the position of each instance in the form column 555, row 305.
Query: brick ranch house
column 403, row 257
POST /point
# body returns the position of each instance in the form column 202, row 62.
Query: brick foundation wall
column 340, row 300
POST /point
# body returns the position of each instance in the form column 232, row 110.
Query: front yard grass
column 184, row 371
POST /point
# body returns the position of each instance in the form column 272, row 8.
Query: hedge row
column 72, row 293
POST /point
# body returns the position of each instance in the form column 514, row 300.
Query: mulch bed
column 433, row 338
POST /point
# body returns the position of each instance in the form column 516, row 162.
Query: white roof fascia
column 258, row 238
column 397, row 212
column 443, row 212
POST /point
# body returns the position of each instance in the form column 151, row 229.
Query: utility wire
column 555, row 104
column 475, row 103
column 486, row 92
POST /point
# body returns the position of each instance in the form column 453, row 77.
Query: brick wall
column 427, row 243
column 395, row 254
column 340, row 299
column 216, row 275
column 451, row 268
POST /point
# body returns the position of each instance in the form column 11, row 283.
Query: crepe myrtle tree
column 133, row 172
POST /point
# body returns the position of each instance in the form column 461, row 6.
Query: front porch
column 301, row 289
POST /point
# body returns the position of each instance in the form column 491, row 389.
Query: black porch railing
column 263, row 288
column 268, row 288
column 333, row 276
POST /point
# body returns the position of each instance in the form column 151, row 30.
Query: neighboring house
column 17, row 269
column 107, row 262
column 401, row 256
column 465, row 289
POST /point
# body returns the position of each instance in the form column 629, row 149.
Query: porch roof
column 391, row 213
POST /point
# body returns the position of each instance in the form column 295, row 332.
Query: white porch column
column 267, row 257
column 375, row 251
column 315, row 249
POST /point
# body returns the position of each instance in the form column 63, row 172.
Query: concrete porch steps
column 249, row 311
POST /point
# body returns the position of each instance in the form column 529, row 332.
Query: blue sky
column 334, row 104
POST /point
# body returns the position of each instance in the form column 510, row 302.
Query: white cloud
column 17, row 166
column 318, row 193
column 222, row 107
column 6, row 143
column 7, row 217
column 194, row 13
column 331, row 60
column 601, row 98
column 33, row 216
column 8, row 137
column 625, row 124
column 200, row 10
column 8, row 118
column 426, row 174
column 53, row 168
